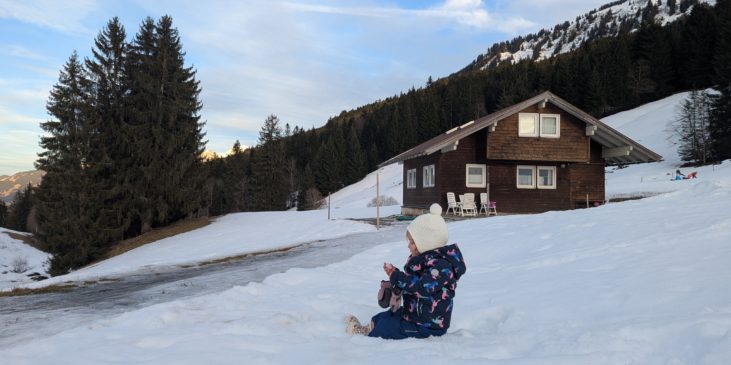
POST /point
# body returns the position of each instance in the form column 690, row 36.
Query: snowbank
column 15, row 255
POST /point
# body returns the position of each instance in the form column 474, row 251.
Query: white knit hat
column 429, row 231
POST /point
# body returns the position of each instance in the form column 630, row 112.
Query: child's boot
column 353, row 326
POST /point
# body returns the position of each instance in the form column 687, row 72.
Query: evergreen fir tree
column 165, row 122
column 698, row 47
column 269, row 178
column 108, row 157
column 306, row 187
column 3, row 214
column 691, row 127
column 720, row 126
column 373, row 157
column 594, row 102
column 327, row 171
column 236, row 164
column 66, row 206
column 20, row 209
column 354, row 158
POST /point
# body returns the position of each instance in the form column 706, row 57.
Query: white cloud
column 65, row 16
column 470, row 13
column 22, row 52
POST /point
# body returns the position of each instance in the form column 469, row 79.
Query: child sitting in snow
column 428, row 284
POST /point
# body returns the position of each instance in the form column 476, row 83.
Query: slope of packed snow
column 352, row 201
column 15, row 255
column 638, row 282
column 652, row 126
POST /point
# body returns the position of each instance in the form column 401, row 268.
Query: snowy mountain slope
column 639, row 282
column 607, row 21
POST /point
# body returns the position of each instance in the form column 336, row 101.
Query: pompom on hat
column 429, row 230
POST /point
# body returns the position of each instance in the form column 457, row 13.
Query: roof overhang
column 616, row 147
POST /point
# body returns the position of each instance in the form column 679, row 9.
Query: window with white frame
column 550, row 125
column 535, row 125
column 411, row 179
column 546, row 177
column 476, row 176
column 526, row 177
column 527, row 124
column 429, row 176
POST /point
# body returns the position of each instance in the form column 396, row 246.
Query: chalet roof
column 618, row 148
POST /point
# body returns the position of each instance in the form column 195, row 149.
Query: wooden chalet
column 538, row 155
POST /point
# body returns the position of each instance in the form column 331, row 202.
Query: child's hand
column 388, row 268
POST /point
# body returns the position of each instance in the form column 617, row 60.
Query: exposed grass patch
column 238, row 257
column 176, row 228
column 60, row 288
column 28, row 239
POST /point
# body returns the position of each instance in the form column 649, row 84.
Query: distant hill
column 9, row 185
column 608, row 20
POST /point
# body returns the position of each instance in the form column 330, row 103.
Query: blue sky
column 302, row 60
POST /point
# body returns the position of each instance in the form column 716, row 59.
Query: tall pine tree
column 269, row 179
column 167, row 133
column 721, row 116
column 66, row 206
column 110, row 162
column 3, row 213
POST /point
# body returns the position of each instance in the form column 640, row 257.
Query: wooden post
column 378, row 199
column 587, row 200
column 328, row 205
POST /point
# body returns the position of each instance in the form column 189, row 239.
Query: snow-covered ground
column 231, row 235
column 227, row 236
column 18, row 260
column 641, row 282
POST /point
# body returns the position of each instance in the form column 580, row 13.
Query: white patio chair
column 483, row 204
column 452, row 204
column 468, row 205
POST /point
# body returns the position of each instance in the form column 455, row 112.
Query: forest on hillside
column 123, row 153
column 603, row 77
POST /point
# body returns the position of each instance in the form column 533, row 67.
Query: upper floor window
column 550, row 125
column 535, row 125
column 476, row 176
column 411, row 179
column 528, row 124
column 429, row 177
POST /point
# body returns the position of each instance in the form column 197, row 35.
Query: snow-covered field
column 638, row 282
column 643, row 282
